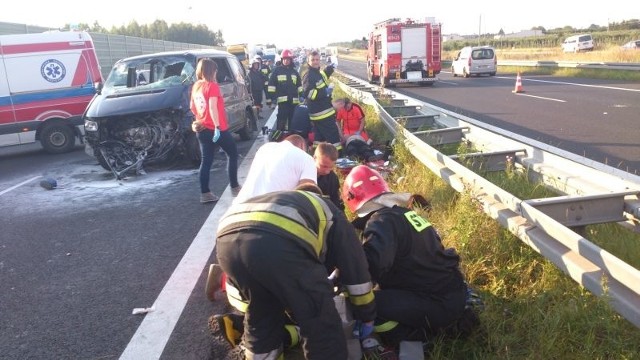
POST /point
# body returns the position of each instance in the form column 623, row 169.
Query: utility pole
column 479, row 29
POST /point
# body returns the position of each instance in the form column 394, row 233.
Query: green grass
column 533, row 310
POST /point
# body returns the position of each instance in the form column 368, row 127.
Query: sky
column 314, row 24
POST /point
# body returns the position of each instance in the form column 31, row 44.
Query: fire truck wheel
column 57, row 138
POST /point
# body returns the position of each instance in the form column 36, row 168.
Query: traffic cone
column 518, row 88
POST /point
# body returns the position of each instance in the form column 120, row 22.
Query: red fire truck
column 404, row 52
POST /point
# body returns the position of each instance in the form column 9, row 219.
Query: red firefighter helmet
column 286, row 53
column 361, row 185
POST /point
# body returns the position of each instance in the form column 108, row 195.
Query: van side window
column 238, row 71
column 223, row 76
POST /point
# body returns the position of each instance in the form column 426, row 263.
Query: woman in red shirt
column 210, row 125
column 350, row 119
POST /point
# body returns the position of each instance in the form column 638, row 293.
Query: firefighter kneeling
column 420, row 290
column 276, row 250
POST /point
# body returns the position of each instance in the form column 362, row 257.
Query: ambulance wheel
column 57, row 138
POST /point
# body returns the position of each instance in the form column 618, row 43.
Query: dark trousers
column 326, row 130
column 284, row 116
column 275, row 274
column 419, row 316
column 208, row 149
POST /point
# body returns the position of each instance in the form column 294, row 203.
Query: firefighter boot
column 229, row 326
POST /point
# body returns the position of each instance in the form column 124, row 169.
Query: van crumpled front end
column 129, row 142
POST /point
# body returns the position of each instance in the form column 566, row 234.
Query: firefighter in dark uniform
column 256, row 81
column 421, row 287
column 318, row 98
column 285, row 86
column 265, row 69
column 277, row 250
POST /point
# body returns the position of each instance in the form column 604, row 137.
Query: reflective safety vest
column 283, row 220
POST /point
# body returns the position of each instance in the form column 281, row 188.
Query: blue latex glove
column 362, row 330
column 329, row 91
column 216, row 134
column 358, row 132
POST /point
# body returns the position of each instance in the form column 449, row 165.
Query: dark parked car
column 141, row 116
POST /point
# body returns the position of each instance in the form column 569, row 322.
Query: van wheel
column 465, row 73
column 192, row 148
column 249, row 130
column 57, row 138
column 453, row 72
column 101, row 160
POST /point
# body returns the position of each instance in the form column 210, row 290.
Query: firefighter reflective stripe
column 322, row 114
column 418, row 222
column 360, row 294
column 286, row 218
column 283, row 98
column 289, row 225
column 235, row 299
column 385, row 326
column 275, row 354
column 271, row 88
column 283, row 78
column 293, row 334
column 323, row 212
column 313, row 94
column 324, row 76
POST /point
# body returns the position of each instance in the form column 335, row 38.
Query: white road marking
column 541, row 97
column 18, row 185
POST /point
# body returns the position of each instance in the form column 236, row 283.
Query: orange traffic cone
column 518, row 88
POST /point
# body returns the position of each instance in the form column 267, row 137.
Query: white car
column 475, row 60
column 631, row 45
column 578, row 43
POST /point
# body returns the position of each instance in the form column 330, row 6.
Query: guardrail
column 572, row 64
column 594, row 192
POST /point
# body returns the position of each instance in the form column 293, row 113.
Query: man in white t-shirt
column 279, row 166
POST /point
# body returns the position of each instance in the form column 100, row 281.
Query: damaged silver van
column 141, row 116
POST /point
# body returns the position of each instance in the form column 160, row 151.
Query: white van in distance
column 577, row 43
column 475, row 60
column 46, row 81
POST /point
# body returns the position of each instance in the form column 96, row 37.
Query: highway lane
column 75, row 261
column 594, row 118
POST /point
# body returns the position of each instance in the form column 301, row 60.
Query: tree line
column 160, row 30
column 615, row 33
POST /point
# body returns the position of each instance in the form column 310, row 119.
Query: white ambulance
column 46, row 82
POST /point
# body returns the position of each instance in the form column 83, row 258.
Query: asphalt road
column 75, row 261
column 597, row 119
